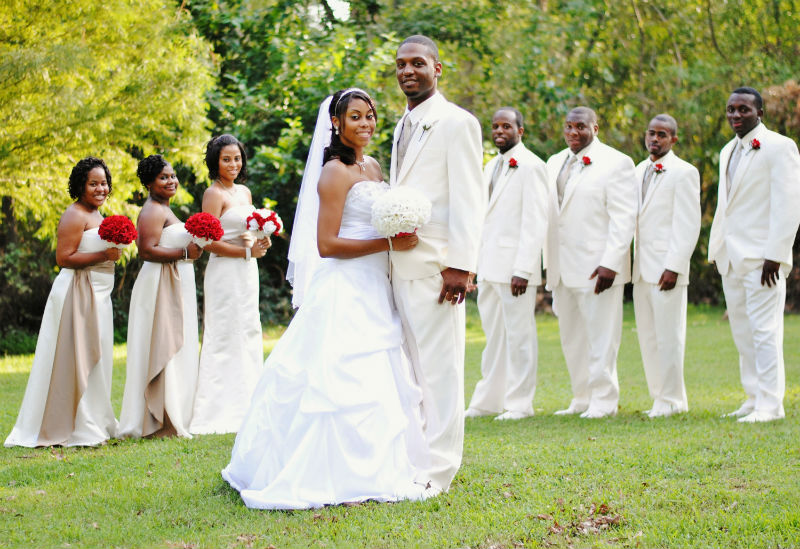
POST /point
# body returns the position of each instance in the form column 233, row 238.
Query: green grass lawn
column 694, row 480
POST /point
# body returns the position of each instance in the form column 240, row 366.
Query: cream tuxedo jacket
column 516, row 218
column 759, row 219
column 594, row 225
column 443, row 160
column 668, row 224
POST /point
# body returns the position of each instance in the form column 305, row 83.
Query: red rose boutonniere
column 512, row 163
column 755, row 144
column 586, row 161
column 659, row 168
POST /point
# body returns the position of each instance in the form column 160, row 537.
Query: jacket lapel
column 489, row 170
column 658, row 178
column 724, row 157
column 393, row 162
column 574, row 181
column 747, row 157
column 421, row 134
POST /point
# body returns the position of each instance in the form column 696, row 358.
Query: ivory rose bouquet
column 400, row 211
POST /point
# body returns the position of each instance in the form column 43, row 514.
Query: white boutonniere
column 426, row 126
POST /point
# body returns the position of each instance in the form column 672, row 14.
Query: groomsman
column 591, row 224
column 437, row 149
column 667, row 229
column 754, row 227
column 509, row 270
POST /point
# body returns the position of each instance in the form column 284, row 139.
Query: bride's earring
column 336, row 130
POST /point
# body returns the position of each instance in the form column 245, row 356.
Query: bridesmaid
column 67, row 400
column 161, row 374
column 232, row 353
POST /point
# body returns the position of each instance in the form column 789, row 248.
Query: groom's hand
column 454, row 285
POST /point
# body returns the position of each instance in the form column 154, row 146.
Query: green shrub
column 17, row 342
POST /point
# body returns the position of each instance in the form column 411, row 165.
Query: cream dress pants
column 661, row 327
column 755, row 313
column 591, row 327
column 435, row 338
column 509, row 360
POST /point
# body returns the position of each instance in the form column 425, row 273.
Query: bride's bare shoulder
column 335, row 176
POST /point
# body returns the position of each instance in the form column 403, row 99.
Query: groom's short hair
column 747, row 90
column 424, row 41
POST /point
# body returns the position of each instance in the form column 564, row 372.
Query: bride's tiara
column 348, row 91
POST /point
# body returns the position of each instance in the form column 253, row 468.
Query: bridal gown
column 46, row 416
column 163, row 306
column 335, row 417
column 232, row 354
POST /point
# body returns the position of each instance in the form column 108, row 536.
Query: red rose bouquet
column 263, row 223
column 204, row 228
column 117, row 230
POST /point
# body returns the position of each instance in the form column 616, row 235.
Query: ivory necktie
column 498, row 168
column 648, row 178
column 403, row 140
column 736, row 155
column 563, row 176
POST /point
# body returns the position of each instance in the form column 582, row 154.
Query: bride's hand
column 403, row 243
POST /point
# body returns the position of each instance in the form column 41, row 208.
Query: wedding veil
column 303, row 253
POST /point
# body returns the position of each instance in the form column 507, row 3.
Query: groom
column 437, row 150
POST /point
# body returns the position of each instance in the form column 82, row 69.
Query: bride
column 335, row 417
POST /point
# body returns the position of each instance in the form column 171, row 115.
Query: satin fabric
column 179, row 369
column 232, row 351
column 94, row 420
column 335, row 417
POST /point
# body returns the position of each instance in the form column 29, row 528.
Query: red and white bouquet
column 263, row 223
column 204, row 228
column 117, row 230
column 400, row 211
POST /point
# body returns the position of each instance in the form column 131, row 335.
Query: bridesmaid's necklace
column 231, row 191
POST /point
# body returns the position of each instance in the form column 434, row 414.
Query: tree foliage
column 120, row 80
column 113, row 79
column 629, row 60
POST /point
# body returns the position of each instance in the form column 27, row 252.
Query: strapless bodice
column 174, row 236
column 357, row 213
column 233, row 221
column 91, row 242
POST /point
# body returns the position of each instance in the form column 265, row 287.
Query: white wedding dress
column 181, row 371
column 335, row 417
column 232, row 354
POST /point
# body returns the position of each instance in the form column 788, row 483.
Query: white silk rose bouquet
column 400, row 211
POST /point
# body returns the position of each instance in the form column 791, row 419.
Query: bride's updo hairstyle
column 213, row 149
column 338, row 108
